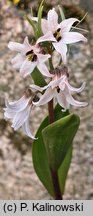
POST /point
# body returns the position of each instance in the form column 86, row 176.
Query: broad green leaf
column 63, row 170
column 58, row 137
column 39, row 155
column 38, row 78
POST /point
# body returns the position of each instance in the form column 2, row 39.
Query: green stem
column 50, row 64
column 54, row 173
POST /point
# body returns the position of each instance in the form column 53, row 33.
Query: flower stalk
column 56, row 185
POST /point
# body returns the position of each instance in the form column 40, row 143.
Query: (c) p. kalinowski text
column 64, row 207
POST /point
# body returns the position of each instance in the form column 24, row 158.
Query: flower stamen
column 31, row 56
column 57, row 34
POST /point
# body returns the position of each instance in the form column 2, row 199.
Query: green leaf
column 63, row 170
column 39, row 155
column 61, row 12
column 38, row 78
column 33, row 26
column 40, row 160
column 40, row 10
column 58, row 137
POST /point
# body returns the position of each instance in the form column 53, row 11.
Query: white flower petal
column 19, row 105
column 62, row 85
column 62, row 49
column 73, row 37
column 54, row 83
column 26, row 129
column 62, row 100
column 14, row 46
column 66, row 24
column 52, row 20
column 18, row 60
column 71, row 88
column 9, row 114
column 20, row 118
column 44, row 70
column 27, row 44
column 44, row 24
column 35, row 88
column 27, row 68
column 51, row 84
column 45, row 98
column 43, row 58
column 47, row 37
column 45, row 27
column 72, row 101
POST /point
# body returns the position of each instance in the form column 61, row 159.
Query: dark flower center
column 58, row 89
column 36, row 98
column 57, row 34
column 31, row 56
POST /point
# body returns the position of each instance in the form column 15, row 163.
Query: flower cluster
column 29, row 57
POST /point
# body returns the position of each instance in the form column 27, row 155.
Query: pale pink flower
column 60, row 89
column 59, row 34
column 19, row 112
column 28, row 58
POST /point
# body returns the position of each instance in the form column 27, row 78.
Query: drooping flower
column 59, row 34
column 29, row 57
column 60, row 89
column 19, row 112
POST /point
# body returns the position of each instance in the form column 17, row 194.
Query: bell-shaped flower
column 19, row 112
column 29, row 57
column 59, row 34
column 60, row 89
